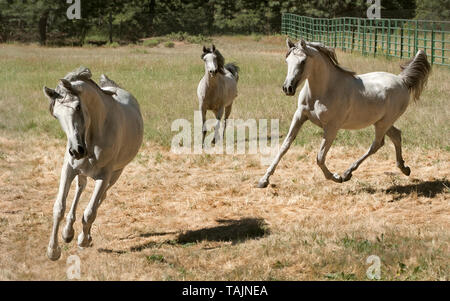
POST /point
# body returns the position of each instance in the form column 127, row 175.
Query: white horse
column 217, row 89
column 104, row 130
column 334, row 98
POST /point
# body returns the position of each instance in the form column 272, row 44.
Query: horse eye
column 78, row 107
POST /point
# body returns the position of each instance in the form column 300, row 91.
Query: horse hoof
column 337, row 178
column 406, row 171
column 346, row 177
column 263, row 184
column 68, row 235
column 84, row 242
column 54, row 254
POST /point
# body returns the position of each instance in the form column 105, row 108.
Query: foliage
column 131, row 20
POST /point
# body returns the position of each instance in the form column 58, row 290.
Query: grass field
column 199, row 217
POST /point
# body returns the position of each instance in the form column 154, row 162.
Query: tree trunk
column 110, row 28
column 151, row 16
column 43, row 27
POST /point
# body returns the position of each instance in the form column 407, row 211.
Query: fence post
column 443, row 46
column 353, row 37
column 416, row 38
column 388, row 53
column 376, row 42
column 432, row 43
column 401, row 40
column 364, row 38
column 335, row 33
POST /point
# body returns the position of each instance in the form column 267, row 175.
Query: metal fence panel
column 389, row 37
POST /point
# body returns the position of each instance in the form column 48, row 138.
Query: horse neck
column 322, row 75
column 97, row 110
column 211, row 82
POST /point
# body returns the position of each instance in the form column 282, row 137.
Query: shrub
column 151, row 43
column 199, row 39
column 169, row 44
column 113, row 45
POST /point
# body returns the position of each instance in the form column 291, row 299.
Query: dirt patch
column 203, row 215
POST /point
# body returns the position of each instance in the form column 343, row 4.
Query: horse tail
column 415, row 74
column 107, row 82
column 234, row 69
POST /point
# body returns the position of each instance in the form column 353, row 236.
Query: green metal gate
column 389, row 37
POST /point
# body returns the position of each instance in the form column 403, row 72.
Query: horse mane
column 329, row 53
column 83, row 74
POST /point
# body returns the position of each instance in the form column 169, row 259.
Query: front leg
column 90, row 213
column 67, row 176
column 68, row 231
column 219, row 115
column 297, row 122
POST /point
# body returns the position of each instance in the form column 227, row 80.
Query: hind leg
column 380, row 131
column 329, row 134
column 396, row 137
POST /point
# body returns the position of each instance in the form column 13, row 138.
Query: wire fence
column 389, row 37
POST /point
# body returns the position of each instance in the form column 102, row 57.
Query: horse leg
column 219, row 115
column 90, row 213
column 296, row 124
column 396, row 137
column 115, row 176
column 328, row 137
column 68, row 232
column 67, row 176
column 376, row 145
column 227, row 114
column 203, row 126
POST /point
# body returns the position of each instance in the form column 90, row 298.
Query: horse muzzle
column 78, row 152
column 289, row 90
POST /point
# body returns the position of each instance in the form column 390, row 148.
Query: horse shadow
column 427, row 189
column 228, row 230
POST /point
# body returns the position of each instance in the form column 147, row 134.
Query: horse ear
column 213, row 48
column 205, row 50
column 50, row 93
column 303, row 43
column 68, row 85
column 289, row 43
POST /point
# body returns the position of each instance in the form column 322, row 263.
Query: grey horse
column 334, row 98
column 217, row 89
column 104, row 130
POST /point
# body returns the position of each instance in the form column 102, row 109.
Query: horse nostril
column 290, row 89
column 70, row 152
column 81, row 150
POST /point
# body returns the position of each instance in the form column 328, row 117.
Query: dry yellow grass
column 200, row 217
